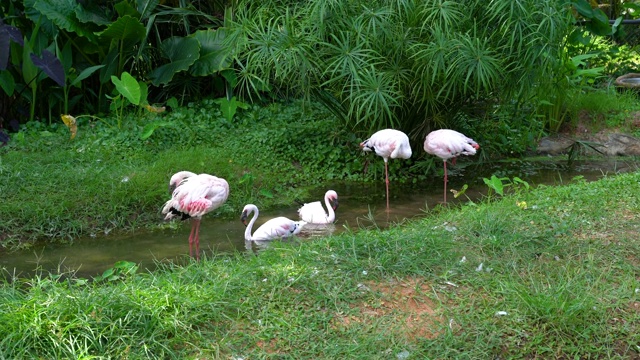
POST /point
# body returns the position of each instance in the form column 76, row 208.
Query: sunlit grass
column 557, row 278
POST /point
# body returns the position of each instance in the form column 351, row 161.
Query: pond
column 361, row 206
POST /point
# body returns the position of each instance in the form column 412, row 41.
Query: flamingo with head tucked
column 388, row 143
column 449, row 144
column 314, row 213
column 192, row 197
column 276, row 228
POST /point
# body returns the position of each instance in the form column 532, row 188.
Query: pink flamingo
column 192, row 197
column 449, row 144
column 388, row 143
column 314, row 213
column 276, row 228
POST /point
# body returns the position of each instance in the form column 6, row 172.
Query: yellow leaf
column 70, row 121
column 154, row 109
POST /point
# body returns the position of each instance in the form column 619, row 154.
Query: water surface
column 361, row 206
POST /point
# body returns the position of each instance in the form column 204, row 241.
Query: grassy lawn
column 552, row 272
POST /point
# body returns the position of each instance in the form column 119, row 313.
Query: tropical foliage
column 408, row 64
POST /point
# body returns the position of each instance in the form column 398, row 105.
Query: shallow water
column 361, row 206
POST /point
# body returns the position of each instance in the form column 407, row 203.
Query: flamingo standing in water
column 388, row 143
column 449, row 144
column 276, row 228
column 192, row 197
column 313, row 213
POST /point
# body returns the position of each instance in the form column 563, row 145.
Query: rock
column 621, row 144
column 610, row 145
column 554, row 145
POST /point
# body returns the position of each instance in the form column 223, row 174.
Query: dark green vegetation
column 561, row 263
column 502, row 67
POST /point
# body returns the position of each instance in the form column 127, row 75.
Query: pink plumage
column 194, row 196
column 449, row 144
column 388, row 143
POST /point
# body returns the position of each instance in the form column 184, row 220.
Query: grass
column 57, row 189
column 559, row 279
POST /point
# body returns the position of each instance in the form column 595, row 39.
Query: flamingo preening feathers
column 314, row 213
column 449, row 144
column 193, row 196
column 276, row 228
column 388, row 143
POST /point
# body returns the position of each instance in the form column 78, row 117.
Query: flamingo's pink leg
column 386, row 177
column 198, row 240
column 191, row 239
column 445, row 181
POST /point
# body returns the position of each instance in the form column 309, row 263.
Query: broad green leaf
column 125, row 28
column 7, row 82
column 123, row 8
column 85, row 74
column 584, row 8
column 92, row 14
column 110, row 63
column 214, row 56
column 182, row 53
column 63, row 14
column 29, row 69
column 128, row 87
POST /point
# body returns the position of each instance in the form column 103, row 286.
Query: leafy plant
column 128, row 89
column 498, row 185
column 230, row 106
column 119, row 271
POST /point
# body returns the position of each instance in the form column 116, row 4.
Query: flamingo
column 194, row 196
column 313, row 213
column 276, row 228
column 449, row 144
column 388, row 143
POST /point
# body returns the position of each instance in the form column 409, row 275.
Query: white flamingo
column 194, row 196
column 276, row 228
column 314, row 213
column 449, row 144
column 388, row 143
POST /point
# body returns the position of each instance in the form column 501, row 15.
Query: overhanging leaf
column 214, row 57
column 63, row 14
column 51, row 66
column 85, row 74
column 125, row 28
column 128, row 87
column 182, row 52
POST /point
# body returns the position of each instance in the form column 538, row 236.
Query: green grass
column 565, row 270
column 57, row 189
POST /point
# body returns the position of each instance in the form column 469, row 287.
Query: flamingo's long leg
column 191, row 239
column 197, row 239
column 445, row 182
column 386, row 177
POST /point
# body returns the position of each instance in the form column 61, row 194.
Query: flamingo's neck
column 254, row 217
column 332, row 214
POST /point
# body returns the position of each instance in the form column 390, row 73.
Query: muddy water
column 361, row 206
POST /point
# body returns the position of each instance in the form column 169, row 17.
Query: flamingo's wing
column 198, row 195
column 313, row 213
column 277, row 228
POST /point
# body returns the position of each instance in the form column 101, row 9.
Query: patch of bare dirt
column 404, row 304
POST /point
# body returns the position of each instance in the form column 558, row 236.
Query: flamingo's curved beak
column 334, row 203
column 476, row 146
column 243, row 218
